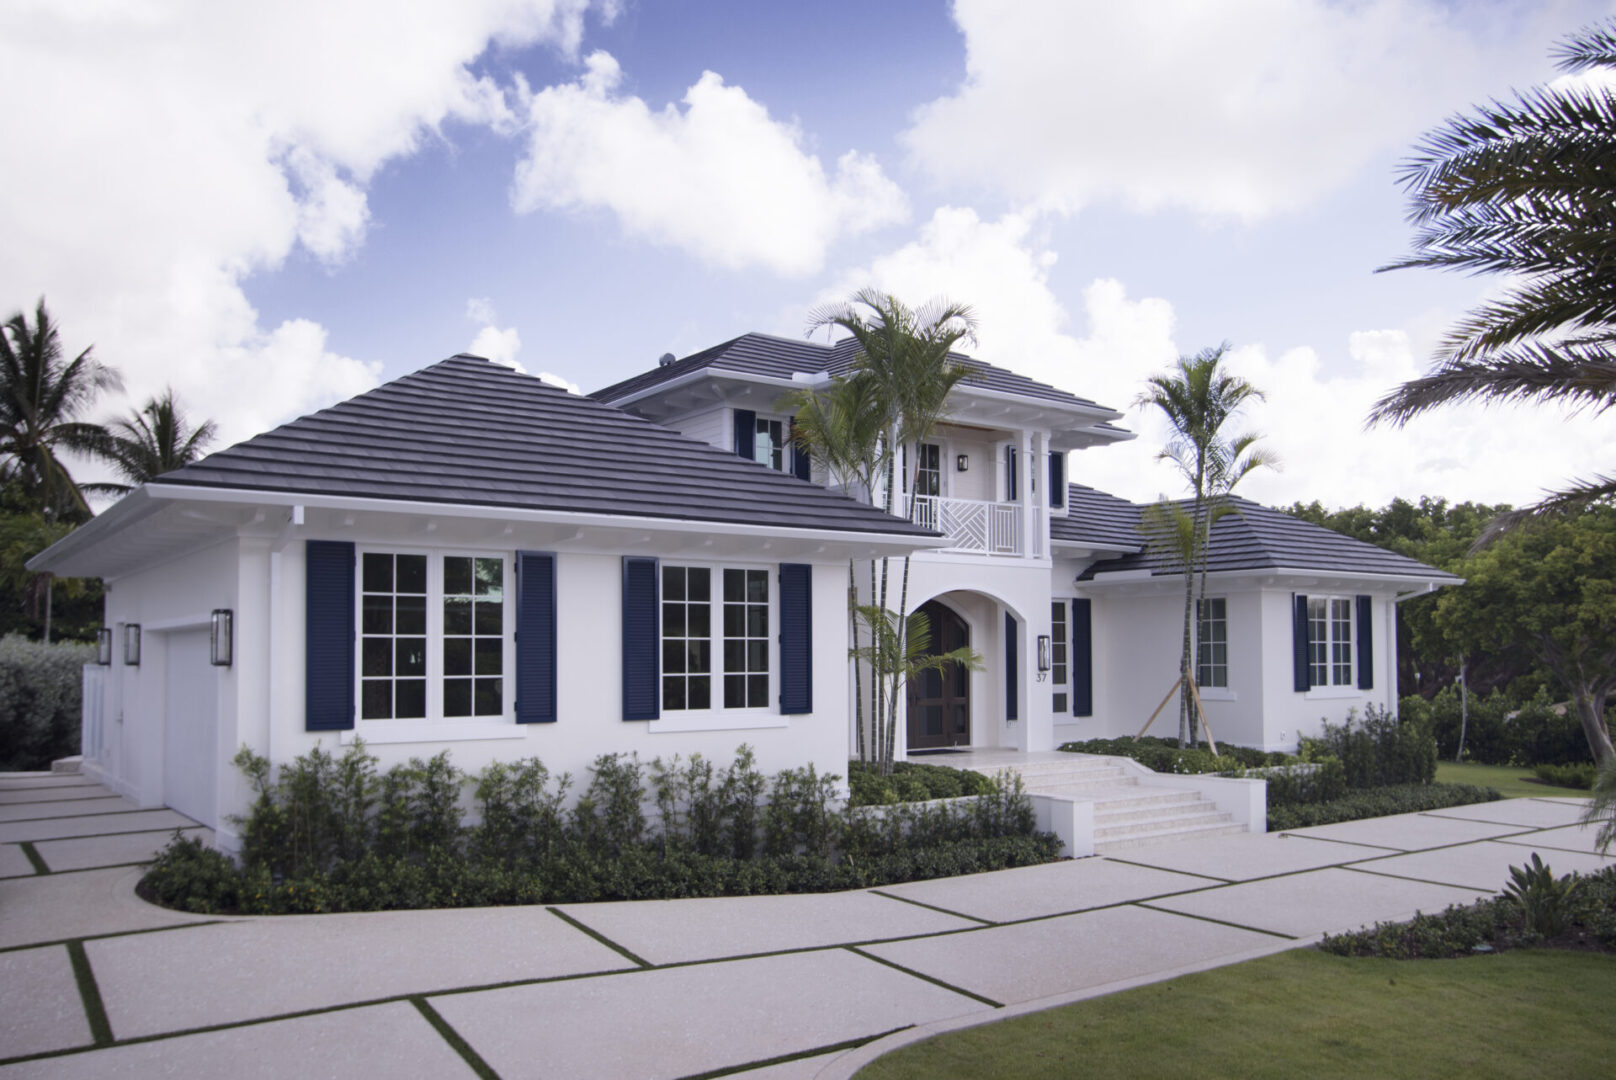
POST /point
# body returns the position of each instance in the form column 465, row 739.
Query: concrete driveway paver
column 40, row 1003
column 93, row 825
column 679, row 1021
column 1407, row 832
column 1320, row 901
column 152, row 983
column 1244, row 856
column 13, row 863
column 10, row 796
column 1566, row 838
column 118, row 849
column 1032, row 892
column 56, row 907
column 392, row 1040
column 1011, row 964
column 1484, row 865
column 1526, row 813
column 101, row 804
column 675, row 931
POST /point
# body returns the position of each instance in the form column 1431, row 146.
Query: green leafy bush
column 1580, row 775
column 1165, row 756
column 1586, row 918
column 912, row 781
column 1498, row 732
column 1377, row 802
column 41, row 694
column 328, row 833
column 1378, row 750
column 1544, row 901
column 1294, row 785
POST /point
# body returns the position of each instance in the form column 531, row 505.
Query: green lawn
column 1306, row 1014
column 1514, row 782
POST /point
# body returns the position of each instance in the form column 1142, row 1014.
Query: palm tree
column 1526, row 188
column 149, row 442
column 1198, row 399
column 903, row 379
column 40, row 398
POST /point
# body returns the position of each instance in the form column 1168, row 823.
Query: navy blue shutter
column 1366, row 646
column 1082, row 659
column 642, row 640
column 745, row 433
column 1057, row 480
column 1012, row 493
column 328, row 636
column 1011, row 712
column 1301, row 678
column 800, row 466
column 535, row 638
column 796, row 638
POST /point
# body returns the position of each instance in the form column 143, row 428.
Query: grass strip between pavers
column 973, row 995
column 94, row 1009
column 801, row 1055
column 35, row 860
column 931, row 907
column 600, row 937
column 452, row 1037
column 1148, row 906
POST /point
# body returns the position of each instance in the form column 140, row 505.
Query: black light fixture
column 103, row 647
column 219, row 638
column 1043, row 652
column 962, row 462
column 131, row 644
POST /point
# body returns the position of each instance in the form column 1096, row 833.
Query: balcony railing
column 972, row 525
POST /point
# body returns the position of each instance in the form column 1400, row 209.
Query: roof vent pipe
column 667, row 358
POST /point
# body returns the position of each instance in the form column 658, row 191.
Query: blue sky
column 277, row 207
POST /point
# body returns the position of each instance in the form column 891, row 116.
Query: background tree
column 1526, row 188
column 1198, row 398
column 41, row 396
column 155, row 439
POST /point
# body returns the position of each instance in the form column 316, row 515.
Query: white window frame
column 1060, row 657
column 783, row 448
column 1330, row 643
column 716, row 717
column 435, row 727
column 1200, row 622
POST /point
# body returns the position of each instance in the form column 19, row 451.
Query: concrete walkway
column 94, row 982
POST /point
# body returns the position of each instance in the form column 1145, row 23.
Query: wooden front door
column 940, row 701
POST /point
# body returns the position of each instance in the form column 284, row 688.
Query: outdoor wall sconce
column 103, row 647
column 131, row 644
column 219, row 638
column 962, row 462
column 1043, row 652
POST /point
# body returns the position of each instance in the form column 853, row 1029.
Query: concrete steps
column 1127, row 814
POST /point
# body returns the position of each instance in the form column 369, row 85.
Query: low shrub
column 1165, row 756
column 1580, row 775
column 1302, row 783
column 1583, row 916
column 41, row 690
column 911, row 781
column 1378, row 750
column 1377, row 802
column 1498, row 732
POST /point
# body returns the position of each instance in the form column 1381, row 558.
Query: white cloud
column 718, row 178
column 170, row 148
column 1313, row 418
column 501, row 346
column 1241, row 108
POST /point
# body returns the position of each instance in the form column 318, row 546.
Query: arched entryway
column 940, row 701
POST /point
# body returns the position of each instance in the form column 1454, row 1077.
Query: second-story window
column 929, row 470
column 769, row 446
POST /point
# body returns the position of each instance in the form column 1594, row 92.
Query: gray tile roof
column 1256, row 538
column 470, row 431
column 780, row 358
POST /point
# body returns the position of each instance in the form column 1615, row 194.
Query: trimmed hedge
column 912, row 781
column 1534, row 735
column 1378, row 802
column 1165, row 756
column 1581, row 775
column 41, row 695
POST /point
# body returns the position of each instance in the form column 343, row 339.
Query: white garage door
column 190, row 743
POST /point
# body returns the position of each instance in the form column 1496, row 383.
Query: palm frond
column 1571, row 500
column 1580, row 373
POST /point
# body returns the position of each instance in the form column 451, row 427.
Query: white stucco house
column 468, row 558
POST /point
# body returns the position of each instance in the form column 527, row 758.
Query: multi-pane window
column 687, row 659
column 473, row 636
column 1057, row 655
column 746, row 639
column 1330, row 654
column 432, row 636
column 768, row 444
column 1212, row 643
column 698, row 651
column 392, row 650
column 929, row 470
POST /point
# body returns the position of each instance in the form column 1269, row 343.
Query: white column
column 1024, row 475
